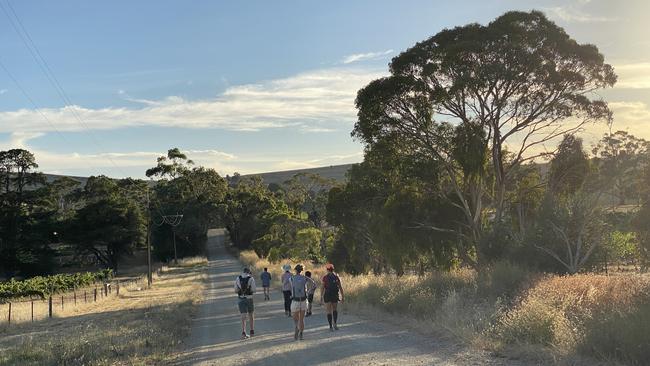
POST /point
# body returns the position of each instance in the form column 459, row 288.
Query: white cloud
column 134, row 163
column 3, row 91
column 120, row 162
column 633, row 76
column 312, row 101
column 358, row 57
column 572, row 14
column 291, row 164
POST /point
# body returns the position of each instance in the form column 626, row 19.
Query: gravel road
column 215, row 334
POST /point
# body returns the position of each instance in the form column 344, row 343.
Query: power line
column 29, row 43
column 34, row 105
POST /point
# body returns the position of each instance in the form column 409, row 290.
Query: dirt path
column 215, row 333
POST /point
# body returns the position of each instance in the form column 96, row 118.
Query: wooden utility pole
column 149, row 276
column 174, row 236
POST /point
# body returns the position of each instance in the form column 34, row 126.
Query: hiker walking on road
column 311, row 289
column 266, row 283
column 298, row 301
column 245, row 288
column 286, row 289
column 330, row 295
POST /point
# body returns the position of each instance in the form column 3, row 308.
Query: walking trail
column 215, row 335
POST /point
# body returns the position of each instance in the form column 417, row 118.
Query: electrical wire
column 29, row 43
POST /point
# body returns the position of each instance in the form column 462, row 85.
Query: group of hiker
column 298, row 290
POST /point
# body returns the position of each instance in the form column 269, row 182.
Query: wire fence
column 55, row 305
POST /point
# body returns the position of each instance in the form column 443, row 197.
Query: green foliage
column 110, row 225
column 621, row 157
column 622, row 247
column 620, row 336
column 569, row 168
column 27, row 215
column 44, row 286
column 308, row 245
column 519, row 81
column 197, row 193
column 274, row 255
column 250, row 209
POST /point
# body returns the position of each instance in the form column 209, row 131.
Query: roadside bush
column 274, row 255
column 623, row 336
column 503, row 280
column 596, row 315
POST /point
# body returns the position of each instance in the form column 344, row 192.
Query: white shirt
column 251, row 283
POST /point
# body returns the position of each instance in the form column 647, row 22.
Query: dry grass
column 257, row 265
column 602, row 316
column 141, row 327
column 582, row 319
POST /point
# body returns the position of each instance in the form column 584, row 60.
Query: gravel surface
column 215, row 334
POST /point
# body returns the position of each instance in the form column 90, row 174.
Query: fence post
column 75, row 297
column 49, row 306
column 95, row 294
column 117, row 288
column 61, row 302
column 9, row 318
column 32, row 311
column 105, row 289
column 85, row 298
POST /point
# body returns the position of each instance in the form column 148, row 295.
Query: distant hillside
column 52, row 177
column 336, row 172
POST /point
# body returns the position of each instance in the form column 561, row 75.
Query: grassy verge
column 579, row 320
column 141, row 327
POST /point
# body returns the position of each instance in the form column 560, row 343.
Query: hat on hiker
column 329, row 267
column 286, row 267
column 246, row 270
column 298, row 267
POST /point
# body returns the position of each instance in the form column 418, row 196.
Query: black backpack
column 332, row 288
column 244, row 287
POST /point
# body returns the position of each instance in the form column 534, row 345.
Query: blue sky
column 248, row 86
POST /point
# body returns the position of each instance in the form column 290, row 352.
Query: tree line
column 103, row 220
column 471, row 156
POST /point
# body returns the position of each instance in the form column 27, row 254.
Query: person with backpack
column 298, row 301
column 245, row 288
column 330, row 295
column 311, row 289
column 266, row 283
column 286, row 289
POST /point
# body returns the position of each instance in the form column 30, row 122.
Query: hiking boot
column 301, row 338
column 308, row 314
column 244, row 335
column 331, row 329
column 336, row 327
column 252, row 333
column 295, row 334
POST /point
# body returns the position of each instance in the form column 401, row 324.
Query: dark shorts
column 331, row 298
column 266, row 286
column 246, row 305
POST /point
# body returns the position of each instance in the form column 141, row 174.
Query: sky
column 246, row 86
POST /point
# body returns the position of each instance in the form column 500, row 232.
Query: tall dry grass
column 141, row 327
column 549, row 319
column 607, row 317
column 257, row 265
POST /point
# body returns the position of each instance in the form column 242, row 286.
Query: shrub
column 43, row 286
column 624, row 336
column 274, row 255
column 599, row 315
column 503, row 280
column 537, row 322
